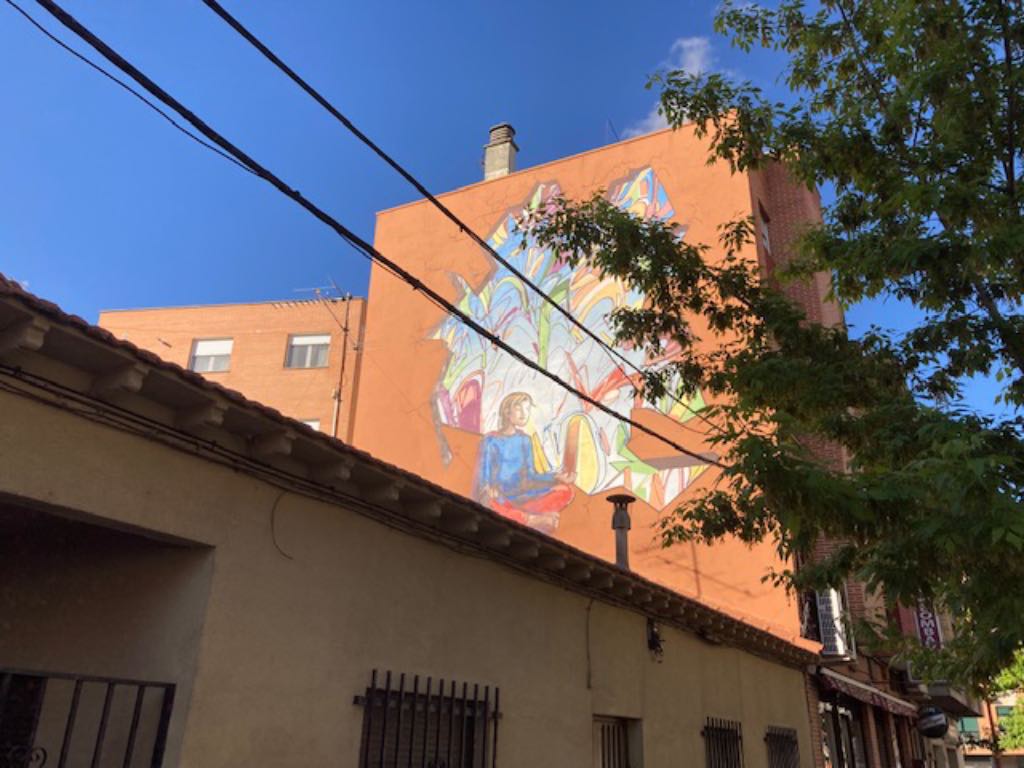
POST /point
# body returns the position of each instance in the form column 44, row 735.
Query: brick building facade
column 300, row 357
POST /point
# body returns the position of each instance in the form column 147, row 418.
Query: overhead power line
column 125, row 86
column 365, row 248
column 276, row 60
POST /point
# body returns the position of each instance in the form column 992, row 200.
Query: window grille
column 611, row 742
column 832, row 624
column 783, row 748
column 211, row 355
column 308, row 351
column 428, row 724
column 723, row 743
column 69, row 720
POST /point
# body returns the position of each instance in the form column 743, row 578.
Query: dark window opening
column 783, row 748
column 615, row 742
column 723, row 743
column 428, row 723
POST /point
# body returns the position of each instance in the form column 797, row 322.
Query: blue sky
column 104, row 205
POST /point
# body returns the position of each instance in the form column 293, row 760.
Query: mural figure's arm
column 532, row 478
column 487, row 469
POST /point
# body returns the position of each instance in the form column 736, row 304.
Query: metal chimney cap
column 620, row 517
column 621, row 498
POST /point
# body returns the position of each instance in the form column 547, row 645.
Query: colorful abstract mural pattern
column 549, row 440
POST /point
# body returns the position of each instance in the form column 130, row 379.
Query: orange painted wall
column 260, row 333
column 397, row 419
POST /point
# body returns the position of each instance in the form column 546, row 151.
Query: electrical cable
column 236, row 25
column 361, row 245
column 124, row 85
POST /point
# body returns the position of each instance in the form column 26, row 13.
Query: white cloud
column 654, row 121
column 690, row 54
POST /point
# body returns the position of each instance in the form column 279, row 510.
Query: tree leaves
column 911, row 111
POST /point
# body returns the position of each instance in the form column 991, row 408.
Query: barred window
column 616, row 742
column 723, row 743
column 428, row 722
column 783, row 748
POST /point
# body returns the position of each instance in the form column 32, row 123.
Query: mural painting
column 540, row 444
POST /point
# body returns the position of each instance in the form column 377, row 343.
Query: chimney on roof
column 621, row 525
column 500, row 152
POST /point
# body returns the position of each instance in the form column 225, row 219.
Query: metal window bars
column 783, row 748
column 61, row 720
column 611, row 743
column 428, row 724
column 723, row 743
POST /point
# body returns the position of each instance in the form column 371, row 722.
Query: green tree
column 912, row 111
column 1012, row 677
column 1012, row 728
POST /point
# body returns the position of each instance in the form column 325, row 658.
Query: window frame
column 291, row 344
column 192, row 355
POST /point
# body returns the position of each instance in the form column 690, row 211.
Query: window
column 763, row 227
column 308, row 351
column 211, row 355
column 783, row 749
column 722, row 743
column 832, row 624
column 616, row 742
column 313, row 423
column 409, row 720
column 970, row 727
column 1003, row 712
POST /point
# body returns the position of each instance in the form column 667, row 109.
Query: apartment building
column 469, row 411
column 191, row 578
column 982, row 734
column 426, row 394
column 300, row 357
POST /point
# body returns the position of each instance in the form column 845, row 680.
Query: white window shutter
column 832, row 624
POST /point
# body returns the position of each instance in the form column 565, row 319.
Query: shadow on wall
column 98, row 638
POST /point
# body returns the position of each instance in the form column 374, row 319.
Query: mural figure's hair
column 507, row 404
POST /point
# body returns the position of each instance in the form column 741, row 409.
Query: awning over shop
column 833, row 681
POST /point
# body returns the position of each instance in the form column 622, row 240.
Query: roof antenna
column 611, row 128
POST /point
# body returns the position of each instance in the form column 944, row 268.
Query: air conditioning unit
column 836, row 637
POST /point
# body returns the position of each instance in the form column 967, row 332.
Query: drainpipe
column 621, row 525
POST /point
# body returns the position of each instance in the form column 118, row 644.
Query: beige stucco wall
column 79, row 598
column 291, row 631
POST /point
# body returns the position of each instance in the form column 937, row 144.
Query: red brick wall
column 260, row 333
column 814, row 719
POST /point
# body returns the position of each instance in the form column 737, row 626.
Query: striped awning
column 833, row 681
